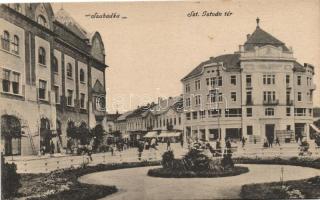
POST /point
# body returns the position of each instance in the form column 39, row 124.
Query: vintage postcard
column 160, row 100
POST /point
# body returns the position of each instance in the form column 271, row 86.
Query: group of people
column 267, row 143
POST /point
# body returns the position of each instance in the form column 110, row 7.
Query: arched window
column 5, row 41
column 81, row 75
column 42, row 20
column 69, row 70
column 42, row 56
column 15, row 44
column 55, row 65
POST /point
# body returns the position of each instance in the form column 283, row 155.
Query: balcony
column 313, row 86
column 271, row 102
column 249, row 102
column 289, row 103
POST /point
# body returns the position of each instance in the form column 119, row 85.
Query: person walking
column 168, row 144
column 51, row 147
column 277, row 141
column 228, row 146
column 140, row 149
column 243, row 140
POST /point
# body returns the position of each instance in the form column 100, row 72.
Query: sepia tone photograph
column 160, row 100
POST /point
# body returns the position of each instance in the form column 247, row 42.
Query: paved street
column 135, row 184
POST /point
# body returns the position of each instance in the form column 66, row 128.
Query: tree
column 10, row 180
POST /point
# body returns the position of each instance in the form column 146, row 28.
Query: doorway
column 10, row 135
column 270, row 132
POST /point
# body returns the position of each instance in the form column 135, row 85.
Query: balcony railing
column 289, row 102
column 249, row 102
column 249, row 85
column 271, row 102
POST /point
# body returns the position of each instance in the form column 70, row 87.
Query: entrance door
column 270, row 132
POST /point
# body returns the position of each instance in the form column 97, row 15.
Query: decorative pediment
column 98, row 88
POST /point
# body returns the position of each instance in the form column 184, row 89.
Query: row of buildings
column 52, row 77
column 161, row 119
column 259, row 92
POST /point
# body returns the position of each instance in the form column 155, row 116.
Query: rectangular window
column 287, row 79
column 69, row 97
column 56, row 91
column 249, row 112
column 187, row 88
column 82, row 100
column 198, row 100
column 300, row 112
column 214, row 112
column 174, row 121
column 188, row 116
column 219, row 80
column 42, row 89
column 188, row 102
column 269, row 79
column 310, row 111
column 298, row 80
column 233, row 80
column 249, row 98
column 233, row 112
column 233, row 96
column 269, row 96
column 249, row 130
column 6, row 81
column 299, row 96
column 179, row 120
column 269, row 111
column 194, row 115
column 202, row 114
column 248, row 80
column 197, row 85
column 288, row 111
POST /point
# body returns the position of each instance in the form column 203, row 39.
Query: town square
column 160, row 100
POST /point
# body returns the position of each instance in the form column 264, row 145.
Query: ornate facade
column 52, row 77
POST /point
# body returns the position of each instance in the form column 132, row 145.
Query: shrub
column 167, row 159
column 196, row 160
column 10, row 179
column 227, row 161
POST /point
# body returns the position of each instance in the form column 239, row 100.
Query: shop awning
column 314, row 127
column 169, row 134
column 125, row 136
column 151, row 134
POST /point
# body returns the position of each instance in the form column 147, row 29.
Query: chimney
column 248, row 36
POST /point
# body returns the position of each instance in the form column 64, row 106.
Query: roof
column 64, row 18
column 124, row 115
column 112, row 117
column 297, row 67
column 230, row 61
column 261, row 38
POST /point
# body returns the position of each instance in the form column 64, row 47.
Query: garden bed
column 170, row 173
column 63, row 184
column 305, row 189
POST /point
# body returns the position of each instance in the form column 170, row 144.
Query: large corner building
column 260, row 92
column 52, row 77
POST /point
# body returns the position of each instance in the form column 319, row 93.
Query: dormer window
column 42, row 56
column 42, row 20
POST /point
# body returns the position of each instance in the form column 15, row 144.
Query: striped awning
column 169, row 134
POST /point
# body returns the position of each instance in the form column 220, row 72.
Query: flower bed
column 63, row 184
column 306, row 188
column 171, row 173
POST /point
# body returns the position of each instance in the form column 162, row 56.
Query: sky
column 157, row 44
